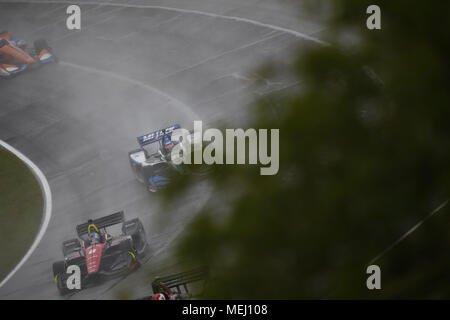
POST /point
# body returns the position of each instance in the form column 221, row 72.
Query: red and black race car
column 100, row 255
column 16, row 58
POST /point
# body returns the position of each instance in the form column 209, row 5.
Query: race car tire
column 59, row 270
column 59, row 267
column 70, row 246
column 135, row 264
column 135, row 229
column 132, row 226
column 40, row 45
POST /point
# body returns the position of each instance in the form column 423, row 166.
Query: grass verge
column 21, row 206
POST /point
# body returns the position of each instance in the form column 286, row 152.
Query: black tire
column 59, row 268
column 40, row 45
column 132, row 226
column 135, row 229
column 70, row 246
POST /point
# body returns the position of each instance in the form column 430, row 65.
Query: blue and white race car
column 151, row 163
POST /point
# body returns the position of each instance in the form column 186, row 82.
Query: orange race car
column 15, row 58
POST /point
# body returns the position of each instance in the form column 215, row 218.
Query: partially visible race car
column 151, row 163
column 16, row 58
column 180, row 286
column 104, row 256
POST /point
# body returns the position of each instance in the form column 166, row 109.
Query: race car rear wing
column 156, row 135
column 104, row 222
column 181, row 280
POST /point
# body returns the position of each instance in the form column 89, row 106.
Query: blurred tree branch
column 364, row 156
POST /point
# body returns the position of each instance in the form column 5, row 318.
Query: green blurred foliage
column 364, row 153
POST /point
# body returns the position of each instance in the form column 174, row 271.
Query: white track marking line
column 48, row 13
column 65, row 17
column 270, row 35
column 189, row 11
column 37, row 30
column 88, row 26
column 47, row 195
column 106, row 20
column 178, row 104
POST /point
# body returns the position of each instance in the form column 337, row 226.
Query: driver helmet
column 167, row 143
column 94, row 236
